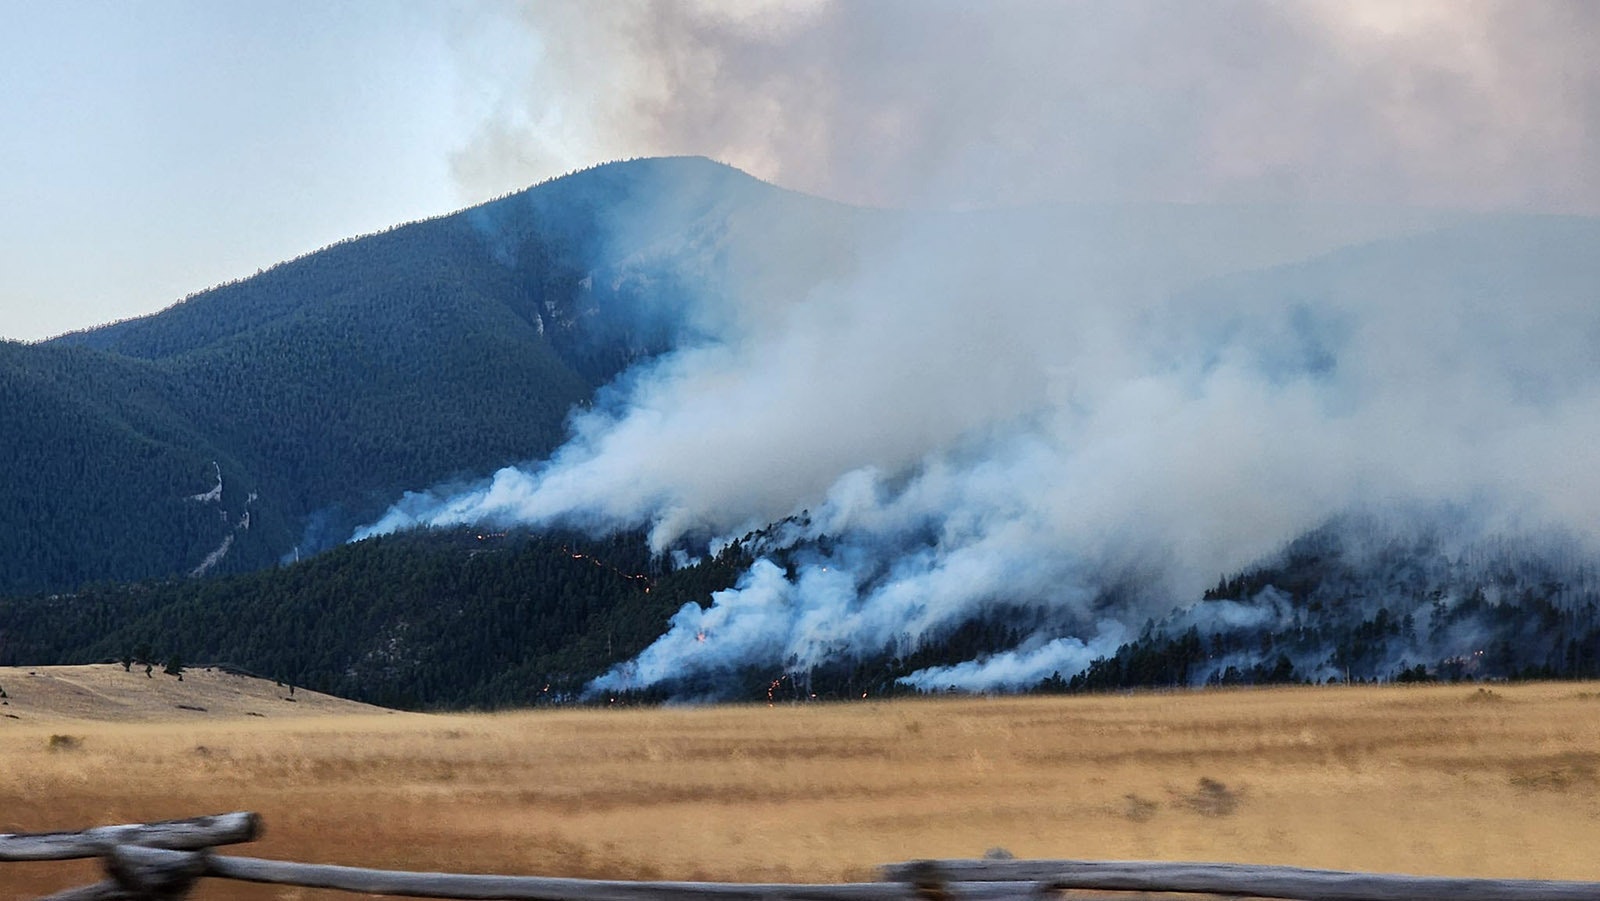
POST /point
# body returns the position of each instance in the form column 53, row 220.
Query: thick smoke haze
column 1083, row 412
column 1455, row 103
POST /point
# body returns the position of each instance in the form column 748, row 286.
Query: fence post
column 153, row 874
column 928, row 880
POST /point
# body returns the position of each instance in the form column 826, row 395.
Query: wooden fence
column 162, row 861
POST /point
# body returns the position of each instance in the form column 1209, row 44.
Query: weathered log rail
column 162, row 861
column 175, row 835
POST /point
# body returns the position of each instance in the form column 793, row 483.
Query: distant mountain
column 257, row 423
column 318, row 390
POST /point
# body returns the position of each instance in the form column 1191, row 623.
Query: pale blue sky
column 152, row 148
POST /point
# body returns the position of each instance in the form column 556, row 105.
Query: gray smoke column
column 1022, row 668
column 1088, row 412
column 1485, row 104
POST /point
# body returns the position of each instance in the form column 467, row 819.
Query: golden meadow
column 1499, row 780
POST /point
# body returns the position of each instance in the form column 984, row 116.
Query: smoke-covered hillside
column 456, row 618
column 1071, row 420
column 324, row 387
column 975, row 449
column 1403, row 596
column 318, row 390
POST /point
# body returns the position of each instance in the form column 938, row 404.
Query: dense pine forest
column 420, row 620
column 179, row 488
column 324, row 387
column 442, row 619
column 1361, row 601
column 447, row 619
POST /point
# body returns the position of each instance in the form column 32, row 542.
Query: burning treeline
column 1071, row 429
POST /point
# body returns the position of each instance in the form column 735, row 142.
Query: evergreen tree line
column 437, row 619
column 421, row 620
column 1356, row 602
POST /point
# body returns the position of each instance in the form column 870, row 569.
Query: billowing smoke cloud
column 1086, row 412
column 1477, row 103
column 1022, row 668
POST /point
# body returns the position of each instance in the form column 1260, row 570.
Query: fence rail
column 177, row 835
column 1240, row 879
column 162, row 861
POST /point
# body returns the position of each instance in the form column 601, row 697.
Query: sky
column 153, row 149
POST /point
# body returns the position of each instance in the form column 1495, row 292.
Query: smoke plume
column 1085, row 412
column 1461, row 103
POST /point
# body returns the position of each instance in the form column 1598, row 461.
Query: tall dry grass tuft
column 1419, row 779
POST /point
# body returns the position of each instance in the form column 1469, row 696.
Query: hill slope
column 318, row 390
column 419, row 620
column 108, row 693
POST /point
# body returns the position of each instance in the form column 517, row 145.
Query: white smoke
column 1024, row 667
column 1072, row 413
column 1089, row 411
column 1486, row 104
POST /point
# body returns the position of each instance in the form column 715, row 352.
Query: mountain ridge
column 323, row 386
column 440, row 349
column 262, row 420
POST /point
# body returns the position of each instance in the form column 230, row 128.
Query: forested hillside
column 679, row 353
column 107, row 476
column 1368, row 600
column 324, row 387
column 449, row 619
column 422, row 620
column 461, row 618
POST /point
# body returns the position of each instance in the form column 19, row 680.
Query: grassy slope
column 60, row 696
column 1437, row 779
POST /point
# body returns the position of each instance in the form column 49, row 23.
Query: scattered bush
column 1212, row 798
column 1139, row 810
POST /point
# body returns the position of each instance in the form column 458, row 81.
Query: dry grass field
column 38, row 694
column 1498, row 781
